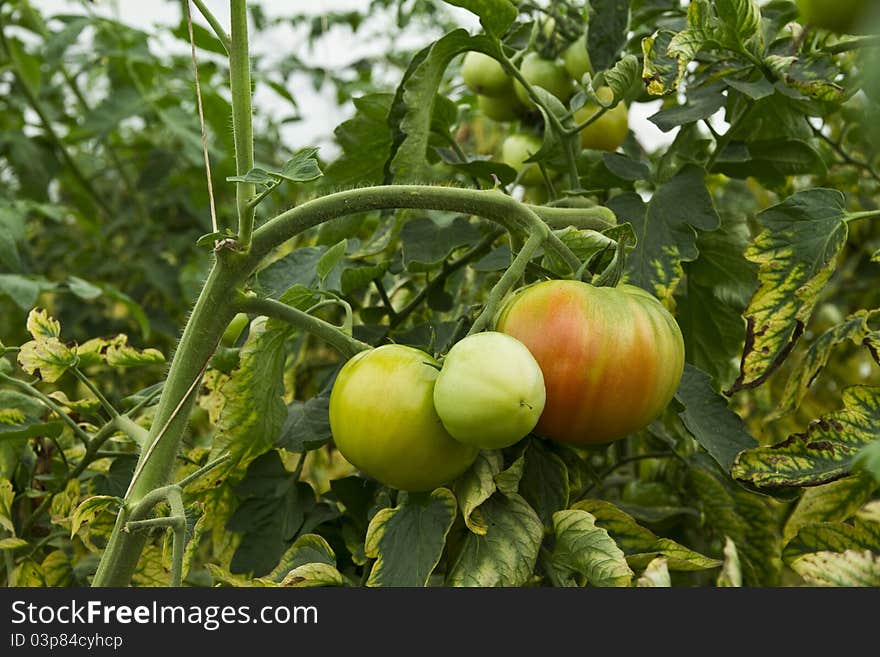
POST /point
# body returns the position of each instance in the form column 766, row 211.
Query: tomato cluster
column 503, row 99
column 572, row 362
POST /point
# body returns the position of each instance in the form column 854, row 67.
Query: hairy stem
column 240, row 84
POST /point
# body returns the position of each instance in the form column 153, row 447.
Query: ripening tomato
column 515, row 150
column 383, row 420
column 608, row 132
column 612, row 358
column 842, row 16
column 545, row 73
column 483, row 74
column 490, row 392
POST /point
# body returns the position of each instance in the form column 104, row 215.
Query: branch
column 225, row 41
column 329, row 333
column 49, row 403
column 242, row 129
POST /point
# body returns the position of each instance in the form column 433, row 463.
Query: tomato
column 490, row 392
column 577, row 60
column 383, row 420
column 608, row 132
column 544, row 73
column 612, row 358
column 515, row 150
column 835, row 15
column 483, row 74
column 501, row 108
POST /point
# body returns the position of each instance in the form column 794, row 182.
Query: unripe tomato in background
column 544, row 73
column 383, row 420
column 490, row 392
column 608, row 132
column 844, row 16
column 515, row 150
column 501, row 108
column 577, row 60
column 612, row 358
column 484, row 75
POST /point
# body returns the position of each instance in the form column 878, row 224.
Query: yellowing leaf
column 41, row 325
column 47, row 358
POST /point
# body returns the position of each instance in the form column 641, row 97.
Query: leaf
column 12, row 543
column 702, row 102
column 272, row 511
column 365, row 141
column 24, row 290
column 730, row 575
column 41, row 326
column 47, row 358
column 544, row 482
column 307, row 426
column 796, row 251
column 855, row 329
column 833, row 502
column 299, row 267
column 121, row 354
column 769, row 160
column 408, row 540
column 723, row 280
column 327, row 262
column 91, row 508
column 306, row 549
column 496, row 16
column 706, row 415
column 251, row 409
column 51, row 429
column 833, row 537
column 850, row 568
column 827, row 451
column 302, row 167
column 741, row 17
column 752, row 521
column 609, row 20
column 255, row 176
column 475, row 487
column 665, row 62
column 506, row 554
column 313, row 574
column 641, row 545
column 83, row 289
column 583, row 548
column 666, row 229
column 656, row 574
column 813, row 76
column 7, row 495
column 428, row 241
column 622, row 77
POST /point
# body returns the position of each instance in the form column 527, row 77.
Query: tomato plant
column 207, row 321
column 490, row 392
column 612, row 358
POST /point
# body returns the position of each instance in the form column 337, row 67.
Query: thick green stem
column 867, row 214
column 242, row 130
column 489, row 204
column 331, row 334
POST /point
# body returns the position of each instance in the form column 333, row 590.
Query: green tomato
column 577, row 60
column 501, row 108
column 484, row 75
column 515, row 150
column 490, row 392
column 383, row 420
column 836, row 15
column 544, row 73
column 608, row 132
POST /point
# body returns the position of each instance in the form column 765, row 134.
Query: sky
column 336, row 49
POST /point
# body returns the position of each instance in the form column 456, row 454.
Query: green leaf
column 273, row 509
column 365, row 141
column 665, row 62
column 408, row 540
column 12, row 543
column 83, row 289
column 623, row 76
column 302, row 167
column 327, row 262
column 813, row 76
column 17, row 431
column 428, row 241
column 475, row 487
column 609, row 21
column 754, row 89
column 834, row 537
column 666, row 229
column 641, row 545
column 91, row 508
column 656, row 574
column 719, row 430
column 752, row 521
column 769, row 160
column 120, row 354
column 855, row 329
column 827, row 451
column 495, row 15
column 723, row 280
column 506, row 554
column 251, row 411
column 851, row 568
column 47, row 358
column 255, row 176
column 7, row 495
column 306, row 549
column 796, row 250
column 26, row 65
column 585, row 549
column 702, row 103
column 730, row 575
column 741, row 17
column 307, row 426
column 12, row 232
column 833, row 502
column 24, row 290
column 314, row 574
column 299, row 267
column 544, row 482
